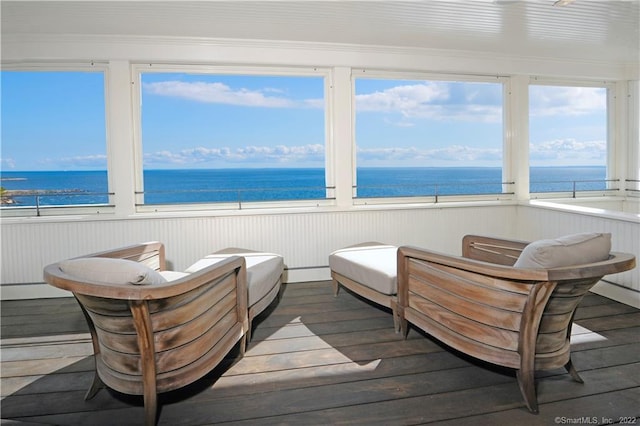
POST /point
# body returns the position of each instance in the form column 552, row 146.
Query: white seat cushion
column 372, row 264
column 263, row 269
column 173, row 275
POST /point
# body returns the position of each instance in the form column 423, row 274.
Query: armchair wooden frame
column 156, row 338
column 482, row 306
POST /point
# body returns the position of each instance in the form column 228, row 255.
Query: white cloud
column 567, row 101
column 463, row 155
column 250, row 154
column 313, row 103
column 466, row 154
column 555, row 152
column 399, row 123
column 430, row 101
column 79, row 161
column 576, row 152
column 7, row 163
column 220, row 93
column 404, row 99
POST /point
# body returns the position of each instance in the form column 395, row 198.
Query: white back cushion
column 111, row 271
column 576, row 249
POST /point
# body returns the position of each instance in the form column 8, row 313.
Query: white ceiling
column 585, row 29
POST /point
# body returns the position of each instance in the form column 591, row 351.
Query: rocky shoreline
column 8, row 195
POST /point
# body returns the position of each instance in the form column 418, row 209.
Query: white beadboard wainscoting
column 305, row 239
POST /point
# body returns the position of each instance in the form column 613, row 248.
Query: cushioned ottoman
column 264, row 272
column 370, row 270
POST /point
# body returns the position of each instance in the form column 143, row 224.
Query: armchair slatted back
column 481, row 305
column 160, row 337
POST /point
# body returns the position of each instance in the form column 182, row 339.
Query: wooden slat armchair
column 482, row 306
column 155, row 338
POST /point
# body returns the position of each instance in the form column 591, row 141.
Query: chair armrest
column 476, row 266
column 493, row 250
column 54, row 276
column 617, row 262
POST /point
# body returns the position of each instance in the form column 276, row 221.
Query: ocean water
column 242, row 185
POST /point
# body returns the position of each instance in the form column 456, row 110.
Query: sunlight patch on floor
column 318, row 359
column 580, row 334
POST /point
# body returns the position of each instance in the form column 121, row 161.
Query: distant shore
column 7, row 198
column 8, row 194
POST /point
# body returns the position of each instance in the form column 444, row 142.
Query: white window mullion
column 342, row 143
column 516, row 164
column 119, row 141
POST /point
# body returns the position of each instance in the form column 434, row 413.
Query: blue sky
column 55, row 121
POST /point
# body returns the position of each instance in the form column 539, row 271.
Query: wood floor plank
column 306, row 400
column 47, row 351
column 472, row 402
column 39, row 319
column 32, row 406
column 585, row 312
column 299, row 329
column 615, row 337
column 617, row 355
column 26, row 306
column 261, row 382
column 591, row 299
column 45, row 366
column 329, row 356
column 613, row 322
column 316, row 359
column 598, row 409
column 43, row 384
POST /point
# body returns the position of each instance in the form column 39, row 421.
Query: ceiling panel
column 584, row 29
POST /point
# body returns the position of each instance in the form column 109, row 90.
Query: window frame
column 137, row 69
column 70, row 209
column 612, row 185
column 507, row 193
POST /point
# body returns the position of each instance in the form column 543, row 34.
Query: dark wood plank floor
column 318, row 360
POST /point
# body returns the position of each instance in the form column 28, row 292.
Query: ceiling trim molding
column 38, row 47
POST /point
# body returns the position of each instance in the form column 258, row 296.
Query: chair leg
column 150, row 407
column 573, row 372
column 96, row 385
column 404, row 327
column 396, row 316
column 526, row 382
column 247, row 335
column 243, row 345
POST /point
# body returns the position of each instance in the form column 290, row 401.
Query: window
column 211, row 137
column 428, row 137
column 53, row 139
column 568, row 138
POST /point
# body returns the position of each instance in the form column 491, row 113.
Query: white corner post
column 633, row 136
